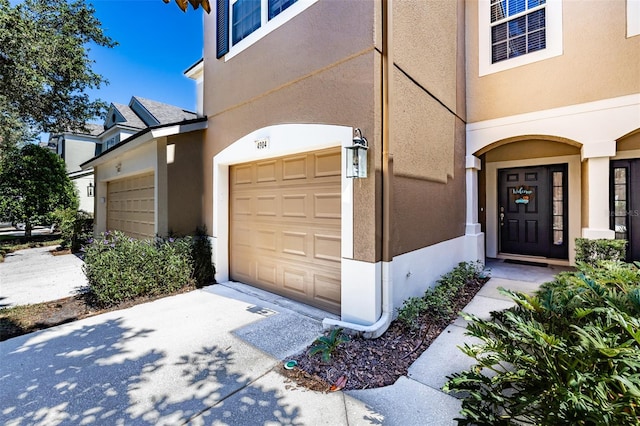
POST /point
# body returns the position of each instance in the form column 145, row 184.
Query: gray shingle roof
column 131, row 118
column 165, row 113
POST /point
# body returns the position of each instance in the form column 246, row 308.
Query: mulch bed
column 373, row 363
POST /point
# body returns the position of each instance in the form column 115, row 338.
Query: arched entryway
column 530, row 196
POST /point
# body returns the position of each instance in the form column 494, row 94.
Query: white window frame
column 633, row 18
column 553, row 36
column 266, row 26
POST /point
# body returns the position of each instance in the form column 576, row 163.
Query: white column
column 597, row 157
column 161, row 189
column 472, row 165
column 473, row 234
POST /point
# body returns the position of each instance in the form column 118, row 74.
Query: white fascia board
column 177, row 129
column 153, row 134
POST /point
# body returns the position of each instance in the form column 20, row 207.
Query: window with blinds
column 518, row 27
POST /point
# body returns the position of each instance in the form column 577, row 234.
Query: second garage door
column 285, row 226
column 130, row 207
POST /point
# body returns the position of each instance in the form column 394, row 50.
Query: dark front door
column 625, row 204
column 532, row 211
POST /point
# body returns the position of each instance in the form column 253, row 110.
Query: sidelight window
column 558, row 200
column 620, row 200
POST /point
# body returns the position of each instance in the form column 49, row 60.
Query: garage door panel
column 285, row 220
column 326, row 247
column 294, row 205
column 327, row 206
column 294, row 168
column 295, row 243
column 266, row 171
column 267, row 205
column 327, row 289
column 294, row 280
column 267, row 273
column 328, row 164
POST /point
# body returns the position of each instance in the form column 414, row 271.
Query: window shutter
column 222, row 29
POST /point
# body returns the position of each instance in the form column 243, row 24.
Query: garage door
column 130, row 206
column 285, row 226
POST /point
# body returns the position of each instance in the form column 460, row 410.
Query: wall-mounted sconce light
column 118, row 167
column 90, row 189
column 356, row 155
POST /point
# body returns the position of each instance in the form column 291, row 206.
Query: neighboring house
column 75, row 148
column 148, row 171
column 553, row 113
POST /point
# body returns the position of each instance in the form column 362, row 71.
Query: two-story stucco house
column 505, row 127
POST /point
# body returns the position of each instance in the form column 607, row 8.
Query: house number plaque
column 262, row 143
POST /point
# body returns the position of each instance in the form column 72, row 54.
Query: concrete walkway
column 35, row 275
column 208, row 357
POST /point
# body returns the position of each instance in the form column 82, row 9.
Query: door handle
column 501, row 216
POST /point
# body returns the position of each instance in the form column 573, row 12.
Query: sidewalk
column 418, row 399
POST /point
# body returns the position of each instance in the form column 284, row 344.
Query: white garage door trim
column 284, row 140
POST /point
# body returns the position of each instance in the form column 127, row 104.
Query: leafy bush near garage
column 592, row 251
column 569, row 354
column 203, row 269
column 76, row 227
column 120, row 268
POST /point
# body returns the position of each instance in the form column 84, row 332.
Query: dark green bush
column 76, row 227
column 203, row 269
column 437, row 301
column 568, row 355
column 592, row 251
column 120, row 268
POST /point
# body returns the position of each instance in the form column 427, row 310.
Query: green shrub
column 570, row 354
column 203, row 270
column 120, row 268
column 592, row 251
column 76, row 227
column 437, row 301
column 327, row 345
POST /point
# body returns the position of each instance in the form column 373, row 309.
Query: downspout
column 380, row 326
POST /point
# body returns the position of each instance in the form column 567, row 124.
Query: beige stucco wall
column 184, row 183
column 598, row 62
column 427, row 127
column 325, row 67
column 303, row 72
column 533, row 148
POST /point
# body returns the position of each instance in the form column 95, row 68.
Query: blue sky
column 157, row 43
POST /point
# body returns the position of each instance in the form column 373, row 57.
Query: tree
column 183, row 4
column 33, row 183
column 45, row 68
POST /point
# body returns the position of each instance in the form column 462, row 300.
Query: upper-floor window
column 517, row 28
column 517, row 32
column 240, row 23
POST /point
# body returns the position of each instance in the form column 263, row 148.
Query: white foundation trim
column 574, row 190
column 408, row 275
column 284, row 139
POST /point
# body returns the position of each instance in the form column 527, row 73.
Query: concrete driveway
column 204, row 357
column 35, row 275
